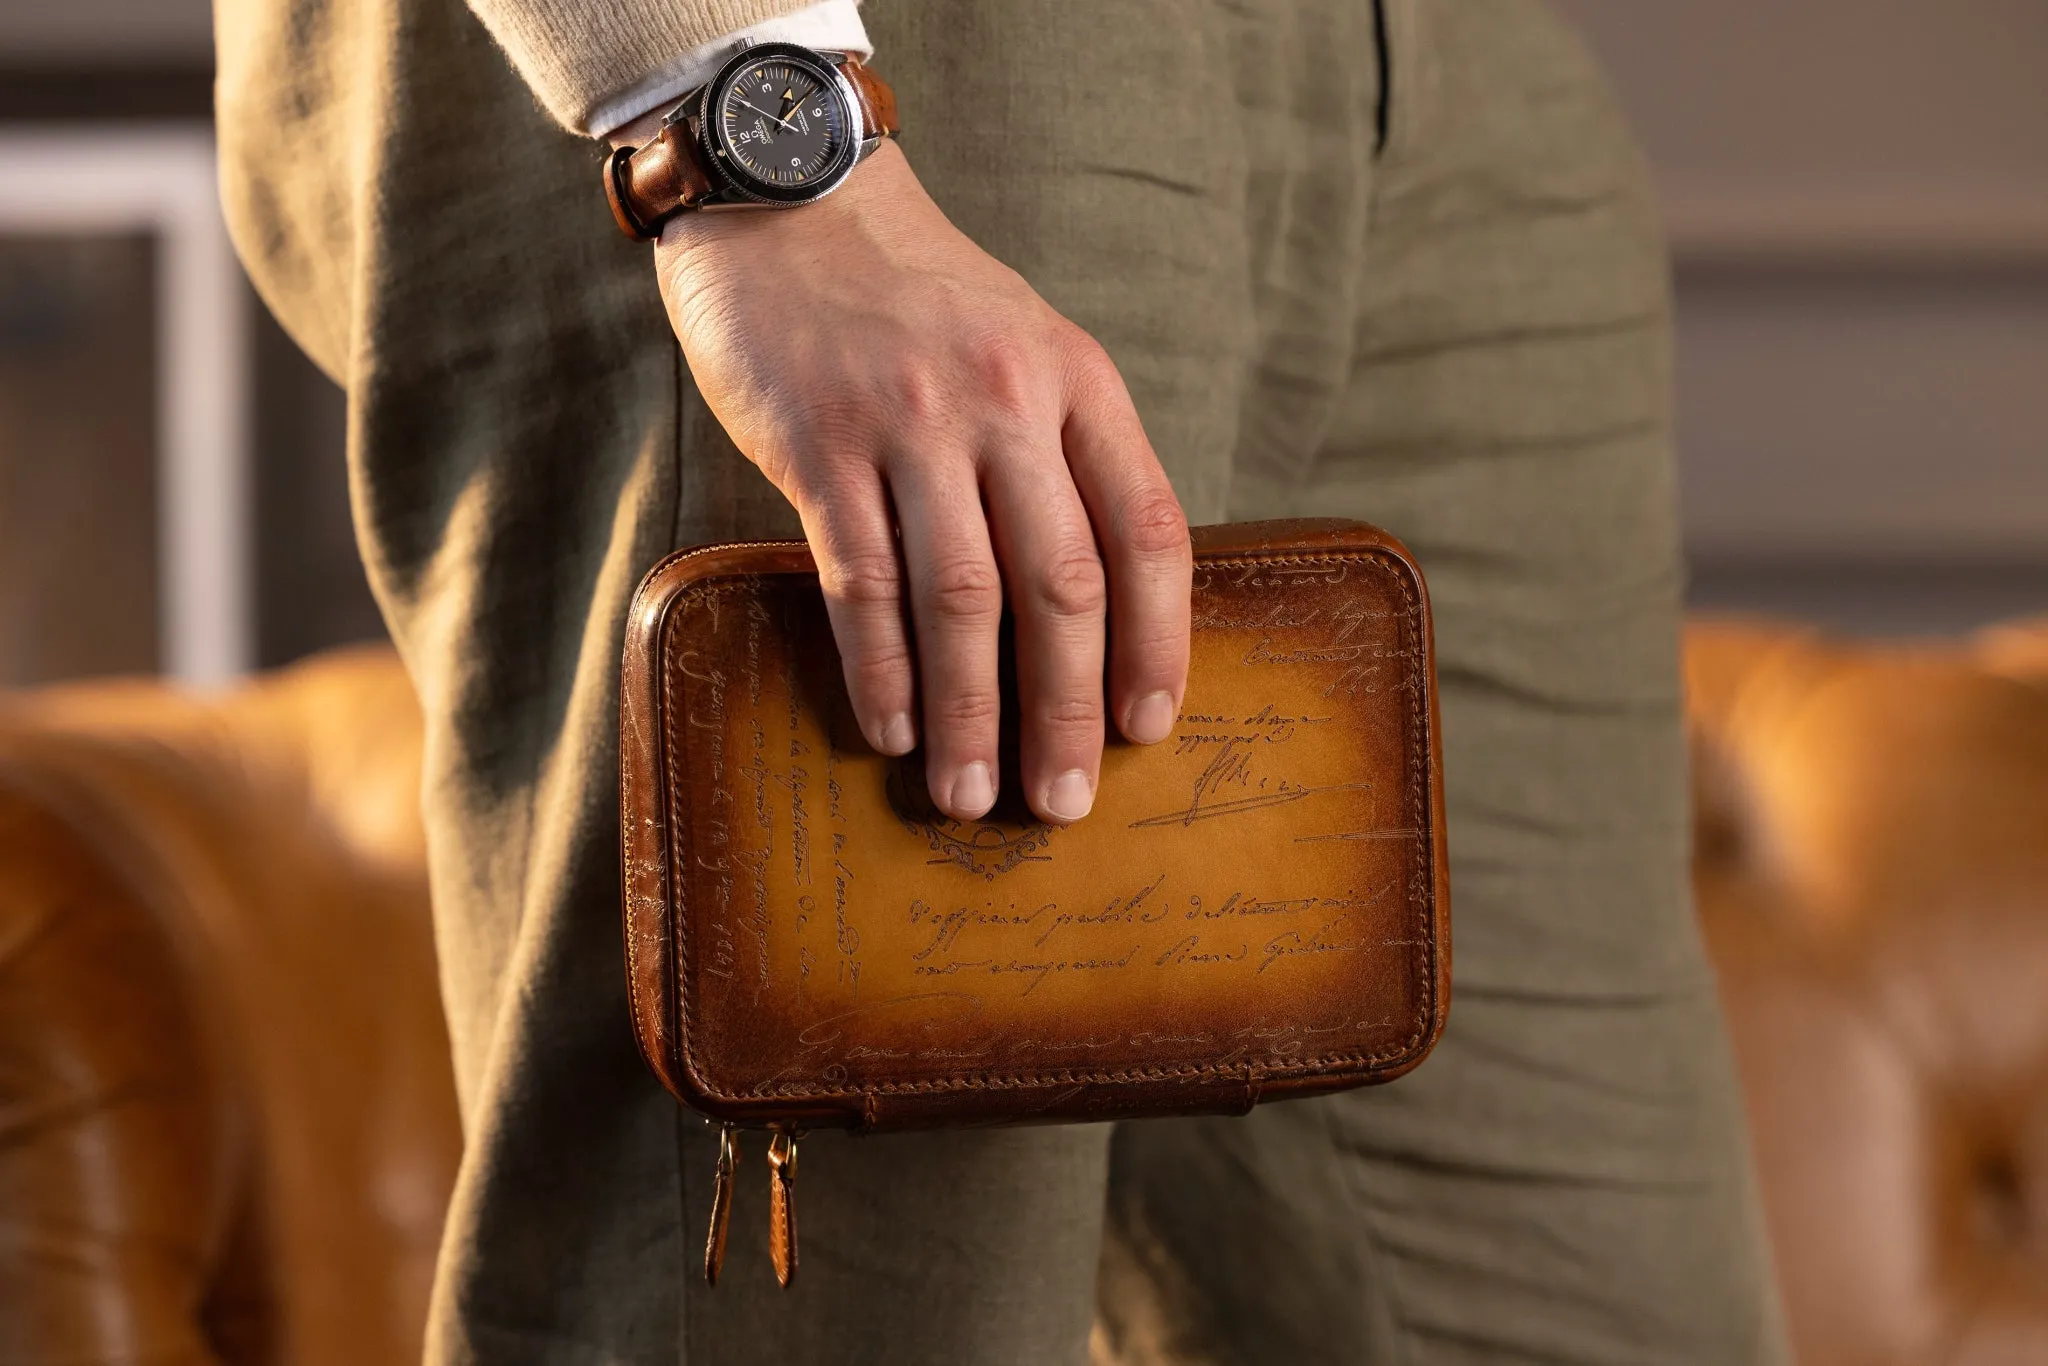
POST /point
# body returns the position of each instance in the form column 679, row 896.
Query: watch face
column 780, row 125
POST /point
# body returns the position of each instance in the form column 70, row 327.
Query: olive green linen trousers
column 1392, row 261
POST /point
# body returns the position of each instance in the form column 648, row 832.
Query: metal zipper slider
column 721, row 1203
column 782, row 1205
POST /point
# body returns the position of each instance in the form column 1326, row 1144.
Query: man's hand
column 947, row 439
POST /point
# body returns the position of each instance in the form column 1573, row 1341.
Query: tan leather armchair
column 1873, row 882
column 227, row 1127
column 227, row 1122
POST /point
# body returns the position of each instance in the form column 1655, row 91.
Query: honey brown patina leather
column 1256, row 909
column 649, row 185
column 877, row 98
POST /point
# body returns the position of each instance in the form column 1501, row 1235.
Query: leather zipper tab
column 721, row 1203
column 782, row 1205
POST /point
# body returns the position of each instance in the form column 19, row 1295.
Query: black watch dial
column 781, row 126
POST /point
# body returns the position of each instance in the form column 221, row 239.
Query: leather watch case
column 1256, row 909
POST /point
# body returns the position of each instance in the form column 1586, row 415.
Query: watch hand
column 765, row 114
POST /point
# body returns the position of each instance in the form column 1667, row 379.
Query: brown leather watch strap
column 877, row 100
column 647, row 186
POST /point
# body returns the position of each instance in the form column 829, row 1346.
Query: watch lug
column 722, row 197
column 686, row 110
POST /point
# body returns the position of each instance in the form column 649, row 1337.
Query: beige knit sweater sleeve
column 580, row 54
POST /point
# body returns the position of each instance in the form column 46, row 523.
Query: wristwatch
column 779, row 125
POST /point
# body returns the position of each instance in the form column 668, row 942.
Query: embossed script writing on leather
column 1255, row 909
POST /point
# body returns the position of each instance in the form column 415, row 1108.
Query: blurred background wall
column 1857, row 192
column 1858, row 197
column 81, row 576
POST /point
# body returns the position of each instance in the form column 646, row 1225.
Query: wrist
column 875, row 195
column 778, row 125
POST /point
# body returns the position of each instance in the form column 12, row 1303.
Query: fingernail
column 974, row 791
column 1151, row 718
column 897, row 737
column 1070, row 796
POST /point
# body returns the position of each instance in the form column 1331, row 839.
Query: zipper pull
column 721, row 1203
column 782, row 1205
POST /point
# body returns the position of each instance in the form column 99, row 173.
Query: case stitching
column 679, row 950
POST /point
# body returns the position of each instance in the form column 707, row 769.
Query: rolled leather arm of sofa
column 116, row 1199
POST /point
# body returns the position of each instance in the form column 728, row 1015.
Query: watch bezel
column 726, row 166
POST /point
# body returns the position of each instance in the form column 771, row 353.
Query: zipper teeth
column 798, row 543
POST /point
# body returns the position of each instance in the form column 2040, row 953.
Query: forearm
column 950, row 442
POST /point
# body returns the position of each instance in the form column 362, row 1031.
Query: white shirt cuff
column 831, row 26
